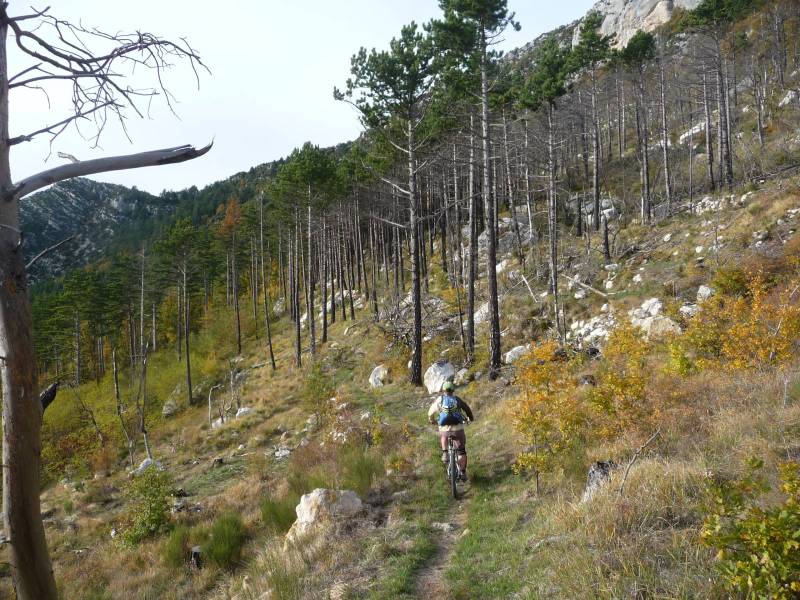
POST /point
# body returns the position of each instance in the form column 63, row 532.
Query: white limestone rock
column 515, row 354
column 379, row 376
column 437, row 374
column 321, row 508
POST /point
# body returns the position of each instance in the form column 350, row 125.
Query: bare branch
column 32, row 261
column 100, row 165
column 47, row 396
column 56, row 128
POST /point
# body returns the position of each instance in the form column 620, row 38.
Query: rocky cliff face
column 625, row 17
column 91, row 211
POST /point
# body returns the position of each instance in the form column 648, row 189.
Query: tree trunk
column 709, row 141
column 552, row 215
column 235, row 291
column 22, row 412
column 186, row 326
column 473, row 245
column 489, row 206
column 665, row 136
column 128, row 437
column 264, row 284
column 312, row 329
column 416, row 301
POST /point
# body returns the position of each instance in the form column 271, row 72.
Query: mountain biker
column 450, row 413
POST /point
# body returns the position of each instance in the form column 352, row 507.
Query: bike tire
column 453, row 473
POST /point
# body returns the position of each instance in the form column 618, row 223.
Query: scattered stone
column 169, row 409
column 312, row 422
column 217, row 462
column 401, row 496
column 282, row 452
column 443, row 527
column 637, row 278
column 689, row 310
column 699, row 250
column 462, row 377
column 612, row 267
column 790, row 98
column 217, row 423
column 761, row 236
column 339, row 591
column 599, row 474
column 588, row 380
column 502, row 266
column 437, row 374
column 580, row 294
column 659, row 327
column 146, row 464
column 704, row 292
column 667, row 237
column 379, row 376
column 610, row 284
column 243, row 412
column 515, row 354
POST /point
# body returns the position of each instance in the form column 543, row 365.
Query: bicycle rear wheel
column 452, row 472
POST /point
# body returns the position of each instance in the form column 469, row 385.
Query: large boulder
column 379, row 376
column 515, row 354
column 439, row 372
column 321, row 508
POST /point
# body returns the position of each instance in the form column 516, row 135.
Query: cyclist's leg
column 461, row 446
column 443, row 443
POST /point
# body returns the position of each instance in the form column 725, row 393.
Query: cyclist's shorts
column 460, row 439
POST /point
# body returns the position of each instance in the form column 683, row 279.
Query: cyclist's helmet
column 448, row 386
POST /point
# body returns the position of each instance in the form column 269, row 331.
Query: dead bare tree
column 95, row 64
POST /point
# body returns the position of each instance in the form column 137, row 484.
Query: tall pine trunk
column 491, row 228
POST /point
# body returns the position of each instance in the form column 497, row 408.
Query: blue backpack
column 451, row 412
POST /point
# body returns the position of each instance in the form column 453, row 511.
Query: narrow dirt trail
column 430, row 579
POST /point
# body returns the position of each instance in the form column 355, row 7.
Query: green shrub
column 317, row 387
column 68, row 506
column 225, row 540
column 278, row 515
column 758, row 548
column 176, row 549
column 149, row 511
column 731, row 281
column 359, row 468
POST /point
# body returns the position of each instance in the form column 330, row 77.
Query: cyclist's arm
column 465, row 407
column 434, row 408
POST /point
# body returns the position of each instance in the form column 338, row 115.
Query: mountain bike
column 453, row 470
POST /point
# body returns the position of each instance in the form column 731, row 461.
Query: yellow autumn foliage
column 547, row 414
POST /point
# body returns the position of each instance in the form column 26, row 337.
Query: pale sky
column 273, row 68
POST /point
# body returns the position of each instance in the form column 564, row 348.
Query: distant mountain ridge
column 91, row 212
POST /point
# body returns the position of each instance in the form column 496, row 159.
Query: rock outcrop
column 624, row 18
